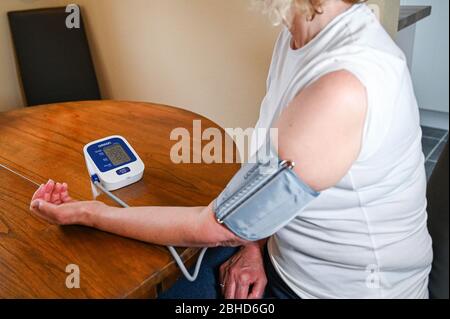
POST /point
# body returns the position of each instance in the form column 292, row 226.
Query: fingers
column 236, row 286
column 243, row 283
column 65, row 197
column 258, row 289
column 234, row 280
column 48, row 190
column 242, row 290
column 230, row 289
column 39, row 193
column 56, row 194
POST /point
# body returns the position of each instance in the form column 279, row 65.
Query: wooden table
column 47, row 142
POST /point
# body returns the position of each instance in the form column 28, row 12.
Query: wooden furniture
column 46, row 142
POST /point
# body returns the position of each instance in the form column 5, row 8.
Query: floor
column 433, row 142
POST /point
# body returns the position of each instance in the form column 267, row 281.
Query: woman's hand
column 54, row 193
column 74, row 213
column 243, row 276
column 53, row 203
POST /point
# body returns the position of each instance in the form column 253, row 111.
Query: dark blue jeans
column 207, row 285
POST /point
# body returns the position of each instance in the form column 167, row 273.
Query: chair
column 54, row 61
column 438, row 225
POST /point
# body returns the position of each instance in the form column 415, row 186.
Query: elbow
column 212, row 234
column 230, row 240
column 220, row 236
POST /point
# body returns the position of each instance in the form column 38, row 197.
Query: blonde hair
column 279, row 10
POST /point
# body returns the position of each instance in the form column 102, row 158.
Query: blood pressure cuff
column 262, row 198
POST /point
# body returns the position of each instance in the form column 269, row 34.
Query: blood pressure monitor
column 113, row 162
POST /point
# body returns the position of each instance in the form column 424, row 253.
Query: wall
column 208, row 56
column 389, row 13
column 430, row 62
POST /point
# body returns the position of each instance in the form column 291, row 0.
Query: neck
column 303, row 31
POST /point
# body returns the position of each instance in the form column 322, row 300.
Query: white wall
column 430, row 58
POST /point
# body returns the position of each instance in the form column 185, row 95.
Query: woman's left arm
column 172, row 226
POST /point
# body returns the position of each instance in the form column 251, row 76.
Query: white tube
column 172, row 250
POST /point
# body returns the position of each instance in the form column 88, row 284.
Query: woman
column 340, row 94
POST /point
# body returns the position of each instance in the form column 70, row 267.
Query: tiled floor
column 433, row 142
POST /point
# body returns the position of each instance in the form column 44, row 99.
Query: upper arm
column 322, row 129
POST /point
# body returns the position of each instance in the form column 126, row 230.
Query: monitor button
column 123, row 171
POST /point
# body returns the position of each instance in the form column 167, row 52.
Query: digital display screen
column 116, row 154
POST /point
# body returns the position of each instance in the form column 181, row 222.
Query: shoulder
column 322, row 128
column 336, row 95
column 343, row 86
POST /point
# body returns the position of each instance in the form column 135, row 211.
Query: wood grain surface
column 47, row 142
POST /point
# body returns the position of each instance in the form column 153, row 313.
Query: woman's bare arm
column 322, row 129
column 174, row 226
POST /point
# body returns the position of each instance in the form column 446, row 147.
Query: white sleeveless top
column 366, row 237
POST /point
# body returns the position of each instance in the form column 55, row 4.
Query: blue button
column 123, row 171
